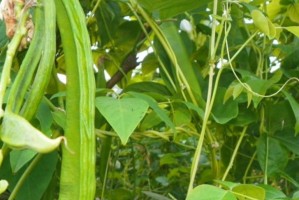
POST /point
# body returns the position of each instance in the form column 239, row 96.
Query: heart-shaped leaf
column 122, row 114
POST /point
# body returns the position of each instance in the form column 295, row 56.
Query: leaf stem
column 232, row 159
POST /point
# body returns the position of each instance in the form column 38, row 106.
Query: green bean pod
column 18, row 133
column 29, row 64
column 44, row 70
column 77, row 180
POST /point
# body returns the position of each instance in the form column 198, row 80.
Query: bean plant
column 149, row 99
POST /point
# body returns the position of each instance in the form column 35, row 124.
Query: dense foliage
column 194, row 99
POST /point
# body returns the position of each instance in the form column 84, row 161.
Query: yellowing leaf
column 293, row 12
column 293, row 29
column 247, row 191
column 274, row 8
column 263, row 23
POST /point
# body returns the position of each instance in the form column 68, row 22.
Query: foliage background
column 250, row 136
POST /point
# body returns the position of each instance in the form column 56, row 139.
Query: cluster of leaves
column 206, row 67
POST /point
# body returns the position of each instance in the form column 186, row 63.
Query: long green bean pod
column 29, row 64
column 77, row 180
column 44, row 70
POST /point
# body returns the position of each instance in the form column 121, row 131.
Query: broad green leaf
column 154, row 105
column 272, row 193
column 39, row 179
column 146, row 86
column 288, row 139
column 246, row 191
column 210, row 192
column 224, row 112
column 170, row 8
column 295, row 106
column 171, row 34
column 44, row 117
column 59, row 116
column 293, row 12
column 3, row 186
column 293, row 29
column 263, row 23
column 18, row 158
column 123, row 115
column 197, row 109
column 181, row 116
column 271, row 155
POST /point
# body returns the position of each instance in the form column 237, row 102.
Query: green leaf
column 171, row 34
column 295, row 107
column 288, row 139
column 197, row 109
column 293, row 12
column 59, row 116
column 39, row 179
column 224, row 112
column 209, row 192
column 293, row 29
column 3, row 186
column 122, row 114
column 271, row 155
column 18, row 158
column 154, row 105
column 272, row 193
column 170, row 8
column 44, row 117
column 263, row 23
column 246, row 191
column 3, row 37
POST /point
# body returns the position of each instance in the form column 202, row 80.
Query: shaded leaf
column 288, row 139
column 272, row 193
column 18, row 158
column 224, row 112
column 170, row 8
column 39, row 179
column 271, row 155
column 295, row 107
column 122, row 114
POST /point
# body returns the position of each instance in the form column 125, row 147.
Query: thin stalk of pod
column 77, row 180
column 29, row 64
column 44, row 70
column 12, row 48
column 17, row 132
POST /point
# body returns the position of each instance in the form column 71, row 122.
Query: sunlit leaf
column 209, row 192
column 293, row 29
column 247, row 191
column 123, row 115
column 263, row 23
column 293, row 12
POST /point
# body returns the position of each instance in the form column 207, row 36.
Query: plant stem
column 208, row 107
column 231, row 162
